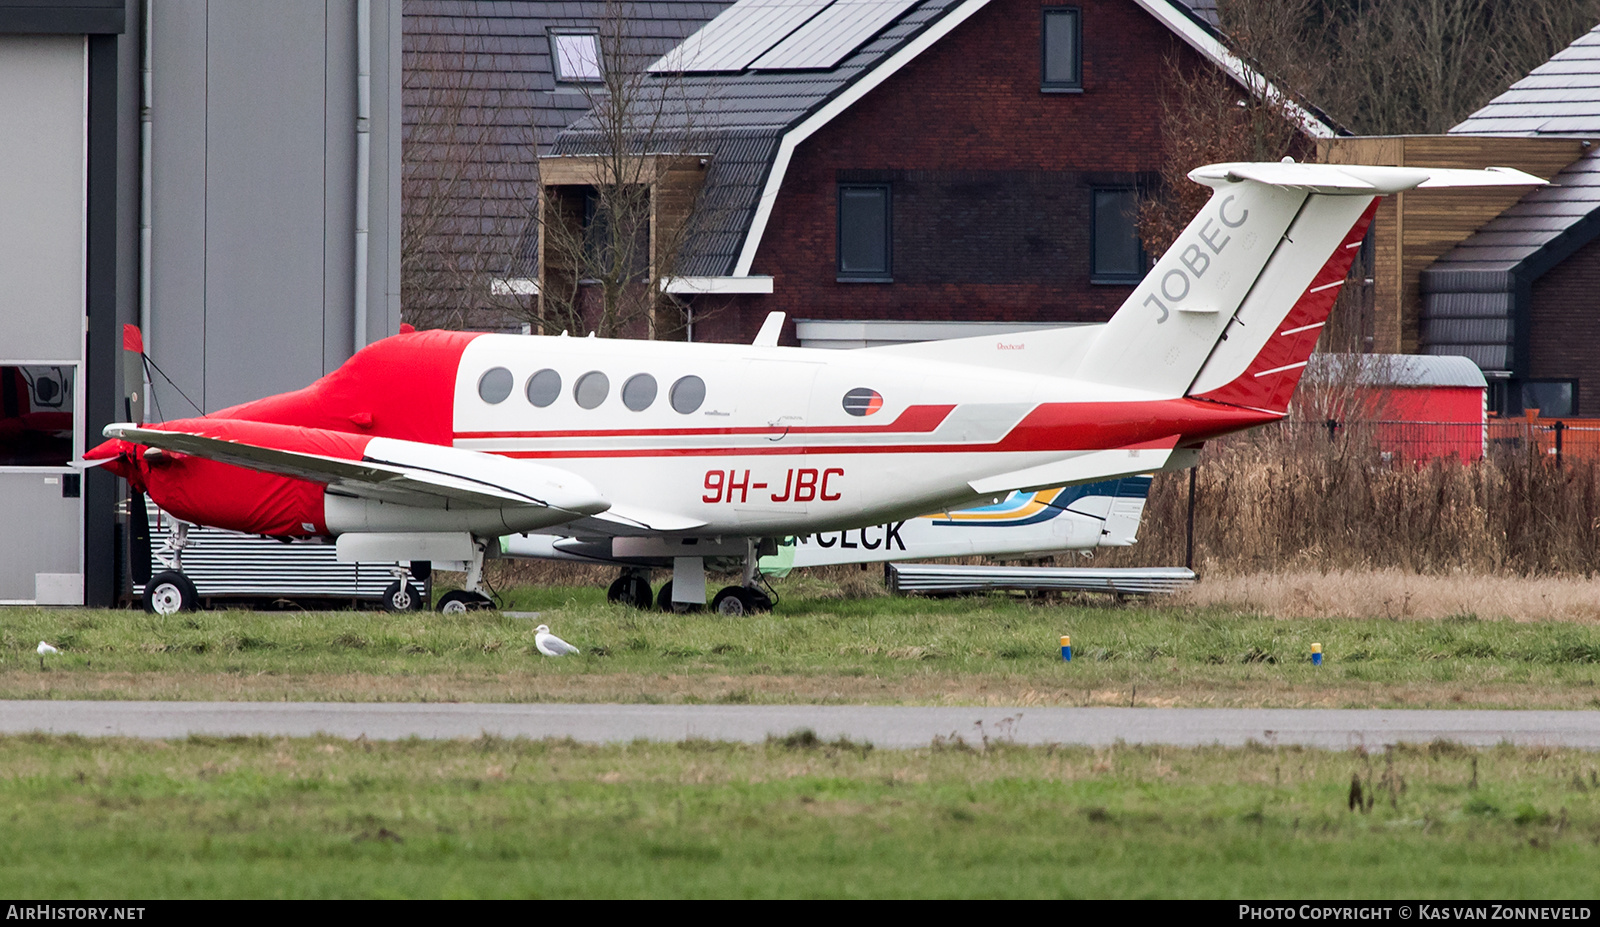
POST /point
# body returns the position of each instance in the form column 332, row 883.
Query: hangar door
column 43, row 109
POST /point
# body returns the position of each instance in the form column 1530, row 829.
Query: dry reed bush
column 1397, row 594
column 1287, row 498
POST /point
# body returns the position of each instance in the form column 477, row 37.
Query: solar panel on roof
column 739, row 35
column 831, row 35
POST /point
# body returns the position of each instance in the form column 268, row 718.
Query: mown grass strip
column 254, row 817
column 981, row 650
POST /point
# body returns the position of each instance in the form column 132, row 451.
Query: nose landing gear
column 746, row 598
column 475, row 597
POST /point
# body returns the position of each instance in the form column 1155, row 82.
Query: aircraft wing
column 407, row 483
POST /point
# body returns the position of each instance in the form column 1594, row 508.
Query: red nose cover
column 236, row 498
column 400, row 387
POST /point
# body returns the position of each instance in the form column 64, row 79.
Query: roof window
column 576, row 56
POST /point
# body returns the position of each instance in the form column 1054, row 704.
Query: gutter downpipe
column 363, row 164
column 146, row 99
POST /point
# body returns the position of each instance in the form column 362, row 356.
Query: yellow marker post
column 1316, row 654
column 1066, row 648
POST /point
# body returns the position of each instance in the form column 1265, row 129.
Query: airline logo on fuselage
column 1177, row 282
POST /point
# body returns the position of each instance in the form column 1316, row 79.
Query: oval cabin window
column 544, row 387
column 591, row 389
column 639, row 392
column 687, row 394
column 495, row 385
column 862, row 401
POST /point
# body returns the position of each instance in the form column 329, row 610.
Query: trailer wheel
column 168, row 593
column 402, row 597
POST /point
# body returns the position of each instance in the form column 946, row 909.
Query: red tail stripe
column 1270, row 380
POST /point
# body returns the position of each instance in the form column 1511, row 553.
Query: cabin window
column 576, row 56
column 865, row 249
column 1116, row 255
column 639, row 392
column 687, row 394
column 862, row 401
column 495, row 385
column 1061, row 53
column 591, row 389
column 544, row 387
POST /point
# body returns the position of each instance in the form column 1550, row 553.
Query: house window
column 576, row 56
column 1553, row 398
column 1116, row 255
column 865, row 253
column 1061, row 51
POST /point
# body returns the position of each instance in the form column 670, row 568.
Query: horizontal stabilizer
column 1357, row 179
column 1085, row 468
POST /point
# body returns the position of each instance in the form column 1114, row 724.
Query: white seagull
column 549, row 644
column 44, row 648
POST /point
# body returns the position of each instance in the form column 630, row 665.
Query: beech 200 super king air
column 431, row 445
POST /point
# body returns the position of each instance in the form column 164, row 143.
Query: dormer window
column 576, row 56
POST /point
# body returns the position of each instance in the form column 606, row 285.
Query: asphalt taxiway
column 883, row 726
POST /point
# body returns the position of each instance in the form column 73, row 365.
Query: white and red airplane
column 430, row 445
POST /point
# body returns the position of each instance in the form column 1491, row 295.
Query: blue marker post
column 1316, row 654
column 1066, row 649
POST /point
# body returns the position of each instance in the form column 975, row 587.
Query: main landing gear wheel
column 460, row 601
column 665, row 603
column 402, row 597
column 734, row 601
column 632, row 591
column 168, row 593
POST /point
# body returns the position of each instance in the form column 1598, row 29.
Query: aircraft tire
column 402, row 597
column 170, row 592
column 734, row 602
column 630, row 590
column 665, row 603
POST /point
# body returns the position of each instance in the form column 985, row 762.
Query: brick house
column 948, row 160
column 874, row 167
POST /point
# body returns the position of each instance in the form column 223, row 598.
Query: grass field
column 253, row 817
column 818, row 647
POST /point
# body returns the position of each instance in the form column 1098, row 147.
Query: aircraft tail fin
column 1275, row 240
